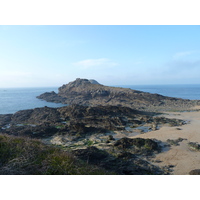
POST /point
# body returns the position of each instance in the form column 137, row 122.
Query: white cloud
column 183, row 54
column 95, row 63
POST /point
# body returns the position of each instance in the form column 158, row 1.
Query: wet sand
column 181, row 157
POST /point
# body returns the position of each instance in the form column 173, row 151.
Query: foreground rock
column 123, row 163
column 85, row 92
column 143, row 146
column 91, row 134
column 77, row 121
column 194, row 172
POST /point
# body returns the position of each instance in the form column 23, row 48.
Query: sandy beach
column 181, row 157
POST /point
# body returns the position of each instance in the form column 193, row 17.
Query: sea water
column 191, row 92
column 15, row 99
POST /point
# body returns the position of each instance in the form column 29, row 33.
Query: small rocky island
column 91, row 93
column 97, row 125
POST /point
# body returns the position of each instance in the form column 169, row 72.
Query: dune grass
column 25, row 156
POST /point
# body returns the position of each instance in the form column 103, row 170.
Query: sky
column 53, row 55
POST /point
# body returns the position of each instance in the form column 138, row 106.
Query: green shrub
column 89, row 143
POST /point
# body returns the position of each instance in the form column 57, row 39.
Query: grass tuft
column 20, row 155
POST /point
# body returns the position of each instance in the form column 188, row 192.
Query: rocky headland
column 91, row 93
column 109, row 128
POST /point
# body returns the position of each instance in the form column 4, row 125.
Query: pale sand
column 181, row 156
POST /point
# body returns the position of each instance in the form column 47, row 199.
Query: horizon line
column 120, row 85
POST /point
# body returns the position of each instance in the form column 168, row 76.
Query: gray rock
column 90, row 92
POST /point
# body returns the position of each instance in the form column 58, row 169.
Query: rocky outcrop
column 194, row 172
column 86, row 92
column 5, row 119
column 51, row 97
column 121, row 163
column 143, row 146
column 90, row 131
column 36, row 116
column 80, row 121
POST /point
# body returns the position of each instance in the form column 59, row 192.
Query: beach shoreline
column 180, row 157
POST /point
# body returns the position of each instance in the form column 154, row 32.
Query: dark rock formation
column 194, row 146
column 51, row 97
column 77, row 120
column 143, row 146
column 175, row 142
column 194, row 172
column 5, row 119
column 85, row 92
column 36, row 116
column 124, row 163
column 96, row 125
column 40, row 131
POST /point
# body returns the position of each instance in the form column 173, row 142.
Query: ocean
column 15, row 99
column 191, row 92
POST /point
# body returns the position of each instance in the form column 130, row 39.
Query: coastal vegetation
column 22, row 155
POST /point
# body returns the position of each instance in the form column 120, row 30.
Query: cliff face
column 86, row 92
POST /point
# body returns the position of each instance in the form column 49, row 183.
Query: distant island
column 102, row 130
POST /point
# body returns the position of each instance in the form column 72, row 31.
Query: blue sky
column 43, row 56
